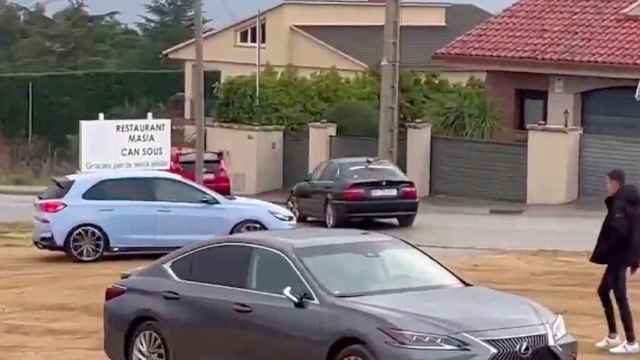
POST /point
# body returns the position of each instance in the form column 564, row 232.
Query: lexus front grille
column 533, row 347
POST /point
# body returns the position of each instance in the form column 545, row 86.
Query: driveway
column 453, row 225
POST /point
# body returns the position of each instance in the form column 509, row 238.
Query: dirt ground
column 51, row 308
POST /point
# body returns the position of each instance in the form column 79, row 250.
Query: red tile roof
column 559, row 31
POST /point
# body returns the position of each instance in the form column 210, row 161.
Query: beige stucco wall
column 553, row 166
column 253, row 157
column 320, row 143
column 305, row 52
column 419, row 157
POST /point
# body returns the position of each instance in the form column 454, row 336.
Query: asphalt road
column 14, row 208
column 441, row 227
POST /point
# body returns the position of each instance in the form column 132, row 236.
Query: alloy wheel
column 87, row 244
column 249, row 227
column 148, row 346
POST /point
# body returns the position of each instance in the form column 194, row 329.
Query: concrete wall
column 553, row 165
column 253, row 156
column 419, row 157
column 320, row 143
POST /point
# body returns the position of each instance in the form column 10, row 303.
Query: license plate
column 384, row 192
column 209, row 176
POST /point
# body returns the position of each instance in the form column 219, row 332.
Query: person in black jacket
column 617, row 248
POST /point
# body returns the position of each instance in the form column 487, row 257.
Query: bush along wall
column 61, row 100
column 289, row 100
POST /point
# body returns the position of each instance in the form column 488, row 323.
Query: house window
column 532, row 107
column 249, row 35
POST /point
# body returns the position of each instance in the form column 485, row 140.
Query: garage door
column 611, row 121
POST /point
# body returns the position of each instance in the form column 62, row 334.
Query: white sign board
column 107, row 145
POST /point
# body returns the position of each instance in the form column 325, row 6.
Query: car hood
column 451, row 310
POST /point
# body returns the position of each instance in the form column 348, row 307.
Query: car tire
column 148, row 342
column 355, row 352
column 294, row 206
column 332, row 219
column 406, row 221
column 86, row 244
column 247, row 227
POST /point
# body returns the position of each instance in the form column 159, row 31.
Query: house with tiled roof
column 564, row 64
column 345, row 35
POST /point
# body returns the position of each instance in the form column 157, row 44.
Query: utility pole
column 390, row 86
column 259, row 36
column 198, row 93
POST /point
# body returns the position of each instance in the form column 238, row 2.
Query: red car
column 183, row 163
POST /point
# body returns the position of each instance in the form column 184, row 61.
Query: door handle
column 106, row 210
column 164, row 211
column 171, row 295
column 242, row 308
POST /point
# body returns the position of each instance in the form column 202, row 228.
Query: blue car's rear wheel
column 86, row 243
column 148, row 343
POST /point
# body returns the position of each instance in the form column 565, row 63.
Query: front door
column 276, row 328
column 321, row 187
column 184, row 218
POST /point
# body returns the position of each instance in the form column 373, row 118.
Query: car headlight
column 422, row 341
column 558, row 328
column 282, row 217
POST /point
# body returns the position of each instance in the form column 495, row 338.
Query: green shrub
column 463, row 111
column 354, row 119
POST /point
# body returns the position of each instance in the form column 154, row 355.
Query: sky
column 222, row 12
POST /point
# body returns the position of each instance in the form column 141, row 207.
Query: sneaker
column 626, row 349
column 608, row 343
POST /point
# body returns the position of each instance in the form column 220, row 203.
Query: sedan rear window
column 365, row 171
column 58, row 189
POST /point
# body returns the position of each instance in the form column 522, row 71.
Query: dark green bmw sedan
column 345, row 189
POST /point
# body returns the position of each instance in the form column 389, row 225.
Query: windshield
column 367, row 268
column 366, row 171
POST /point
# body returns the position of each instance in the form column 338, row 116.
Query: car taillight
column 51, row 207
column 114, row 292
column 353, row 194
column 409, row 192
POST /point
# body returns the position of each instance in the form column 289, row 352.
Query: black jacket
column 619, row 239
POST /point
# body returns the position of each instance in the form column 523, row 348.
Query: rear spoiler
column 58, row 182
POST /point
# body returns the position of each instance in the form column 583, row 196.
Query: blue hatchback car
column 93, row 214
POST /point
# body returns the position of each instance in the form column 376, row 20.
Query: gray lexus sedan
column 320, row 294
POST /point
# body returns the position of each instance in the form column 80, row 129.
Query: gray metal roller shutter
column 601, row 154
column 479, row 169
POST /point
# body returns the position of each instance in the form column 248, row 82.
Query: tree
column 169, row 22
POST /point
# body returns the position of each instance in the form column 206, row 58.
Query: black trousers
column 615, row 279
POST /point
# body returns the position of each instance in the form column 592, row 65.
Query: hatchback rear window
column 58, row 189
column 211, row 166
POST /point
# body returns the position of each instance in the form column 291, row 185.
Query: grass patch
column 15, row 234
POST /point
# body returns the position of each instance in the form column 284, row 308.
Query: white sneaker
column 626, row 349
column 608, row 343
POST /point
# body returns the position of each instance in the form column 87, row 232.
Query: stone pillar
column 553, row 165
column 419, row 156
column 253, row 156
column 320, row 142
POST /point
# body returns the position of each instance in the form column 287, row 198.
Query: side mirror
column 298, row 301
column 209, row 200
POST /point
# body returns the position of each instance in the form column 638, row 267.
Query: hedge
column 62, row 99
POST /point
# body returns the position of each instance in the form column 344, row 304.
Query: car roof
column 306, row 237
column 122, row 174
